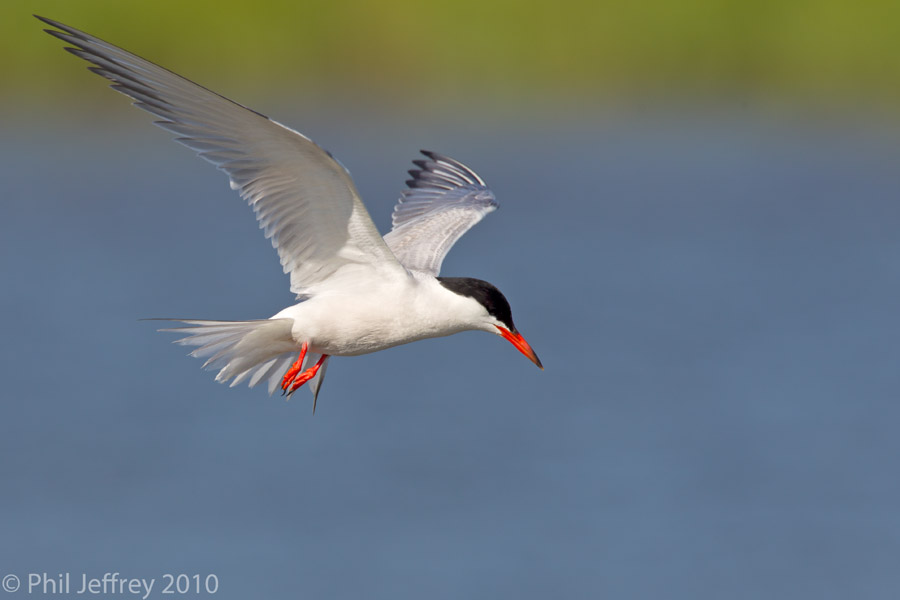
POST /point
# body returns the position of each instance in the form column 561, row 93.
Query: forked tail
column 256, row 350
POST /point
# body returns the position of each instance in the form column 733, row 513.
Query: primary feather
column 304, row 199
column 443, row 200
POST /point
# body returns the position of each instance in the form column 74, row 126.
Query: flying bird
column 357, row 292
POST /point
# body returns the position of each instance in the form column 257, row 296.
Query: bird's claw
column 292, row 372
column 293, row 379
column 304, row 377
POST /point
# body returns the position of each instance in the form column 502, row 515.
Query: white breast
column 385, row 314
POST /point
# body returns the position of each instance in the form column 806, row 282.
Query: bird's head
column 493, row 312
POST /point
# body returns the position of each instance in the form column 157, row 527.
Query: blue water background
column 714, row 294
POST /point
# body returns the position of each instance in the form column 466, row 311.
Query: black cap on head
column 485, row 294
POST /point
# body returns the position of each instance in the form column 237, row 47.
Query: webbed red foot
column 292, row 372
column 307, row 374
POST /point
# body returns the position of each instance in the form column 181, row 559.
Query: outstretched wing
column 303, row 197
column 444, row 200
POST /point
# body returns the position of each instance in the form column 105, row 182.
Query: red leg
column 308, row 374
column 295, row 368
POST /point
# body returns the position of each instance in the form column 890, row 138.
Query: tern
column 357, row 292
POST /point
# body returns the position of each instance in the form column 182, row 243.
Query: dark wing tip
column 414, row 174
column 438, row 157
column 56, row 24
column 442, row 168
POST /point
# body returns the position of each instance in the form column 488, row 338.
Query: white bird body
column 392, row 312
column 358, row 292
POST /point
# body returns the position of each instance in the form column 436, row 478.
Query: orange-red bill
column 521, row 345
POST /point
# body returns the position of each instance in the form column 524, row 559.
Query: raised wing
column 303, row 197
column 444, row 200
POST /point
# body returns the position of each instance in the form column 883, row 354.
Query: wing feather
column 443, row 200
column 304, row 199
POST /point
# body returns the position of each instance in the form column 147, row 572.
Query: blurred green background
column 828, row 52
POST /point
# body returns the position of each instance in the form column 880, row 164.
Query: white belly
column 352, row 324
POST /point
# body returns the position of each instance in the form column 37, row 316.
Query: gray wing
column 303, row 197
column 444, row 200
